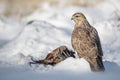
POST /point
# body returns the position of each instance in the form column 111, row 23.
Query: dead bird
column 56, row 56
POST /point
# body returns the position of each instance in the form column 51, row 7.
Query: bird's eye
column 76, row 16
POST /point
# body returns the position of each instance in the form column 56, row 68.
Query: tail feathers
column 96, row 64
column 100, row 63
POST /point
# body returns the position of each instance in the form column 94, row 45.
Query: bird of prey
column 86, row 42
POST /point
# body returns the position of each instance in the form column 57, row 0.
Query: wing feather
column 86, row 42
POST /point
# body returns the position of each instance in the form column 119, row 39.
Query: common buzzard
column 86, row 42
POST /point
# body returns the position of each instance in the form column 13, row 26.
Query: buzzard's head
column 78, row 17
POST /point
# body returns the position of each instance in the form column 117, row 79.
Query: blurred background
column 19, row 9
column 22, row 8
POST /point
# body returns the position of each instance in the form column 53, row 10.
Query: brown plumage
column 57, row 55
column 86, row 42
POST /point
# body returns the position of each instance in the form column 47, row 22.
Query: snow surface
column 19, row 41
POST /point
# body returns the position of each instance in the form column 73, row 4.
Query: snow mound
column 36, row 39
column 71, row 64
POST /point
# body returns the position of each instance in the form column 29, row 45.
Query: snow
column 53, row 28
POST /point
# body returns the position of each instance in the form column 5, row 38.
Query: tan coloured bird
column 86, row 42
column 56, row 56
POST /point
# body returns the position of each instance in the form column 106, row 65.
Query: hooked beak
column 72, row 18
